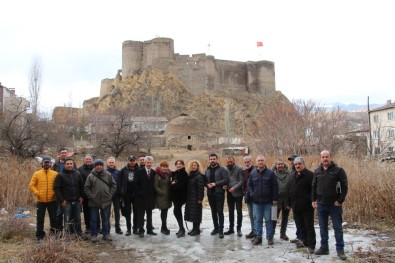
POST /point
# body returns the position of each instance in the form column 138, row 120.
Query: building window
column 390, row 116
column 376, row 150
column 391, row 149
column 376, row 118
column 391, row 133
column 376, row 134
column 189, row 137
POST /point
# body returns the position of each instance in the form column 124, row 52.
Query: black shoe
column 152, row 233
column 195, row 232
column 221, row 233
column 294, row 240
column 300, row 244
column 141, row 234
column 135, row 232
column 118, row 231
column 239, row 234
column 229, row 232
column 250, row 235
column 181, row 233
column 284, row 237
column 128, row 233
column 321, row 251
column 214, row 232
column 341, row 255
column 165, row 231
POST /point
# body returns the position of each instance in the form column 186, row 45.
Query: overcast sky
column 327, row 51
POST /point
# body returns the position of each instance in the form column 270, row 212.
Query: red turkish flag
column 259, row 44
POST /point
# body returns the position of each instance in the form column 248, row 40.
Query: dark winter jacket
column 262, row 186
column 99, row 193
column 178, row 191
column 221, row 179
column 162, row 189
column 236, row 180
column 115, row 175
column 299, row 197
column 247, row 173
column 329, row 186
column 144, row 188
column 69, row 186
column 283, row 185
column 193, row 209
column 85, row 170
column 127, row 180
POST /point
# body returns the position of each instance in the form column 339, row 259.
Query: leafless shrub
column 55, row 250
column 15, row 176
column 13, row 229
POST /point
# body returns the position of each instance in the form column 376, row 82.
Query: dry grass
column 370, row 200
column 15, row 177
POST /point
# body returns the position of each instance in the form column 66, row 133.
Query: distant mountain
column 351, row 106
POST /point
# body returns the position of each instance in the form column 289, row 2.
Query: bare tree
column 22, row 134
column 113, row 133
column 35, row 84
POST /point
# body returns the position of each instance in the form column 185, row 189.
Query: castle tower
column 156, row 50
column 261, row 77
column 132, row 56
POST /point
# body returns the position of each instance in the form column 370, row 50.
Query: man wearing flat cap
column 42, row 186
column 126, row 185
column 100, row 187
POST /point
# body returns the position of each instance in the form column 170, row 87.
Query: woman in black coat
column 178, row 193
column 193, row 207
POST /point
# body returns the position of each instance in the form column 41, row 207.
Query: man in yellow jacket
column 42, row 186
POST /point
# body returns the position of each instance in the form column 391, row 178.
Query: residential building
column 382, row 129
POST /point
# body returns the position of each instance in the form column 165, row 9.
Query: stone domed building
column 185, row 131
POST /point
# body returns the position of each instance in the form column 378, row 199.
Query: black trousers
column 232, row 202
column 142, row 211
column 51, row 207
column 304, row 221
column 130, row 207
column 216, row 202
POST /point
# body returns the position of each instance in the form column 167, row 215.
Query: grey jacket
column 236, row 180
column 100, row 193
column 221, row 179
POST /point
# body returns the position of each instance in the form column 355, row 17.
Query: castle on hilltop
column 199, row 72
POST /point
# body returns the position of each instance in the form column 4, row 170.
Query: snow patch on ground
column 207, row 248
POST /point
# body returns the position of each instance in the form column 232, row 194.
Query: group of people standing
column 138, row 188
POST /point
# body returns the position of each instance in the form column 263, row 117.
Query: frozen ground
column 207, row 248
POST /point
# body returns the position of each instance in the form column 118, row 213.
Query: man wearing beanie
column 100, row 188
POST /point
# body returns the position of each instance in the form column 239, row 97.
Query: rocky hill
column 155, row 93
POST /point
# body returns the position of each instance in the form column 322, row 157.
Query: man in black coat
column 85, row 170
column 145, row 195
column 330, row 187
column 127, row 186
column 69, row 189
column 299, row 198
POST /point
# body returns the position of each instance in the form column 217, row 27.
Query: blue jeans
column 105, row 218
column 72, row 217
column 216, row 202
column 251, row 215
column 263, row 211
column 335, row 212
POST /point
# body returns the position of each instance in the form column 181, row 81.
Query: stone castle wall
column 199, row 72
